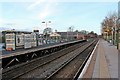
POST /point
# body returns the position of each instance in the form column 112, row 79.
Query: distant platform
column 19, row 51
column 24, row 51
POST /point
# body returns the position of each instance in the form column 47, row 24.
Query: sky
column 27, row 16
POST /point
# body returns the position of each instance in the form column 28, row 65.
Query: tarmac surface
column 104, row 63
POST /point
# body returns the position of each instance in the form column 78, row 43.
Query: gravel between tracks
column 46, row 70
column 69, row 71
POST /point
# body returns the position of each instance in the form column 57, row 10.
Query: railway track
column 28, row 67
column 48, row 71
column 72, row 68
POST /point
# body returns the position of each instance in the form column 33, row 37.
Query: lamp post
column 46, row 23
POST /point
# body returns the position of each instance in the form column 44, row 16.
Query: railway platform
column 104, row 62
column 5, row 53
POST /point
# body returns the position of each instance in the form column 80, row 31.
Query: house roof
column 54, row 34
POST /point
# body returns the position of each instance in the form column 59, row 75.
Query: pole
column 46, row 24
column 113, row 35
column 115, row 25
column 46, row 33
column 77, row 35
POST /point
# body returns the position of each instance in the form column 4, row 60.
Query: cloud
column 38, row 2
column 1, row 21
column 43, row 15
column 46, row 8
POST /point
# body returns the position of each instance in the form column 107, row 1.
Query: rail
column 72, row 59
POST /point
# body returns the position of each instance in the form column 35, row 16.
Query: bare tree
column 109, row 25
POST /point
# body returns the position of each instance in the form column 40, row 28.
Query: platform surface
column 104, row 63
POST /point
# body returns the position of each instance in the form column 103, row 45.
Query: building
column 92, row 35
column 55, row 37
column 72, row 35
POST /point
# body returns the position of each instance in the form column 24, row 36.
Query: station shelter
column 19, row 39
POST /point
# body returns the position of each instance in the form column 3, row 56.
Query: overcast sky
column 30, row 15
